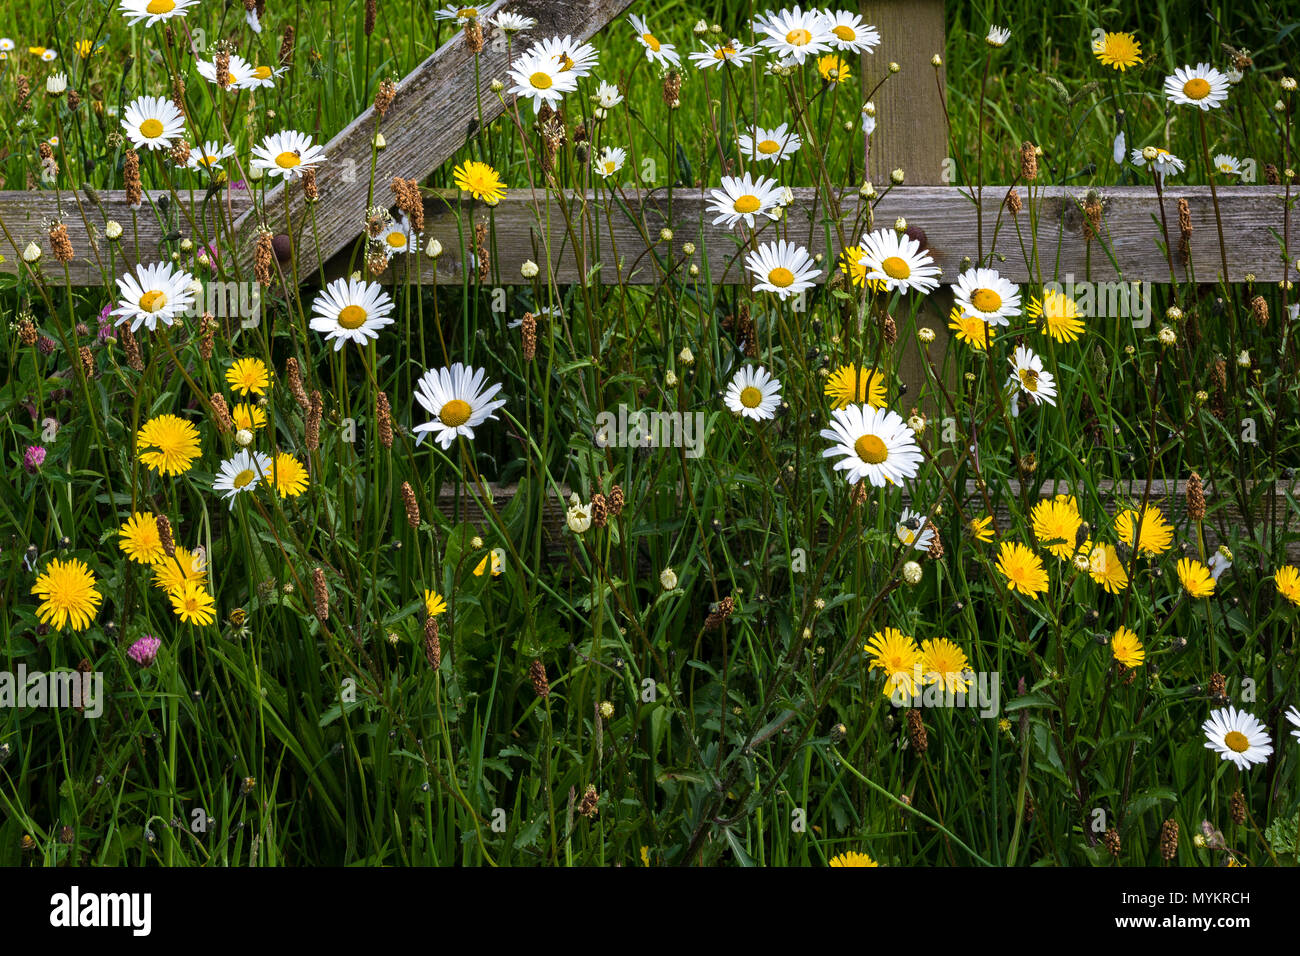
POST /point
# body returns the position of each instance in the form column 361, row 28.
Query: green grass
column 766, row 740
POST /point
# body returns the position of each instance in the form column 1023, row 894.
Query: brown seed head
column 432, row 643
column 60, row 242
column 1195, row 498
column 384, row 419
column 528, row 334
column 293, row 375
column 165, row 535
column 384, row 96
column 1169, row 839
column 221, row 413
column 916, row 731
column 320, row 595
column 412, row 506
column 537, row 674
column 315, row 410
column 131, row 179
column 1028, row 161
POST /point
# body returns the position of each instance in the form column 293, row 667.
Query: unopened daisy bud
column 379, row 141
column 476, row 542
column 529, row 269
column 688, row 249
column 686, row 357
column 1243, row 359
column 1173, row 313
column 1202, row 396
column 320, row 595
column 243, row 438
column 936, row 61
column 1279, row 106
column 665, row 235
column 693, row 270
column 900, row 225
column 255, row 174
column 32, row 254
column 868, row 191
column 700, row 28
column 113, row 229
column 1167, row 336
column 896, row 177
column 894, row 67
column 606, row 709
column 1287, row 83
column 496, row 86
column 433, row 249
column 668, row 579
column 670, row 379
column 869, row 108
column 917, row 424
column 411, row 505
column 925, row 334
column 912, row 573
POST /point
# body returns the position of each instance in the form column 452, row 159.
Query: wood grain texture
column 435, row 112
column 610, row 247
column 148, row 235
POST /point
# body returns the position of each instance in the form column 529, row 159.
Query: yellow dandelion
column 247, row 416
column 1022, row 569
column 289, row 475
column 249, row 375
column 193, row 604
column 1105, row 566
column 1118, row 50
column 1058, row 316
column 1155, row 536
column 897, row 655
column 1056, row 522
column 943, row 662
column 852, row 267
column 852, row 858
column 982, row 529
column 833, row 69
column 434, row 603
column 849, row 385
column 1287, row 582
column 140, row 540
column 479, row 180
column 1126, row 648
column 1195, row 578
column 971, row 329
column 173, row 573
column 68, row 595
column 168, row 445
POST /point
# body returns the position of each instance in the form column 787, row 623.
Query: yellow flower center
column 161, row 6
column 781, row 277
column 747, row 204
column 798, row 37
column 769, row 146
column 262, row 73
column 541, row 80
column 151, row 128
column 986, row 300
column 455, row 413
column 650, row 41
column 153, row 301
column 1029, row 379
column 397, row 240
column 751, row 397
column 1196, row 88
column 871, row 449
column 722, row 52
column 352, row 317
column 566, row 63
column 1236, row 741
column 288, row 160
column 845, row 33
column 609, row 167
column 243, row 479
column 896, row 268
column 209, row 159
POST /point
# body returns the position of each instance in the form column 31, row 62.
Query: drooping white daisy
column 610, row 161
column 540, row 78
column 781, row 267
column 511, row 23
column 718, row 55
column 210, row 155
column 240, row 70
column 607, row 95
column 742, row 198
column 1228, row 165
column 997, row 36
column 458, row 402
column 252, row 19
column 795, row 34
column 868, row 117
column 850, row 34
column 1163, row 162
column 288, row 153
column 898, row 261
column 241, row 473
column 351, row 310
column 656, row 50
column 152, row 122
column 1201, row 86
column 154, row 294
column 874, row 444
column 1118, row 150
column 461, row 14
column 1028, row 375
column 1237, row 736
column 753, row 393
column 983, row 294
column 912, row 529
column 398, row 237
column 1219, row 562
column 1293, row 715
column 772, row 145
column 573, row 56
column 151, row 11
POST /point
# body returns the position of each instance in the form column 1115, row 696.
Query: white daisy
column 151, row 11
column 912, row 529
column 1228, row 165
column 868, row 117
column 656, row 50
column 983, row 294
column 898, row 261
column 773, row 145
column 462, row 15
column 997, row 36
column 49, row 56
column 1028, row 375
column 1293, row 715
column 456, row 399
column 241, row 473
column 781, row 267
column 573, row 56
column 351, row 310
column 508, row 22
column 753, row 393
column 608, row 96
column 153, row 122
column 539, row 77
column 742, row 198
column 795, row 33
column 398, row 237
column 1165, row 163
column 6, row 45
column 1202, row 86
column 610, row 161
column 240, row 70
column 1219, row 562
column 1117, row 150
column 1237, row 736
column 154, row 294
column 210, row 155
column 720, row 54
column 875, row 445
column 288, row 153
column 850, row 34
column 262, row 76
column 252, row 19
